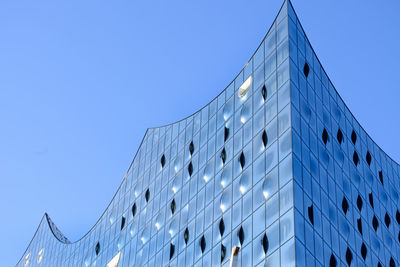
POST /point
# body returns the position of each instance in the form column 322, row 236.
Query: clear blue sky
column 80, row 81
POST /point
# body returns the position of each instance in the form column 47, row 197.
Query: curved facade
column 276, row 166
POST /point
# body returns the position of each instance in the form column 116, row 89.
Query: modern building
column 275, row 171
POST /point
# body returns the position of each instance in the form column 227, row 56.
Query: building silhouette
column 275, row 171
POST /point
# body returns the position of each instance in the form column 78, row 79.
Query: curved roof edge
column 53, row 228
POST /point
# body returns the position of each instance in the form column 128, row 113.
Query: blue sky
column 80, row 81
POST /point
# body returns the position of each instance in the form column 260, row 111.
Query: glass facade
column 275, row 165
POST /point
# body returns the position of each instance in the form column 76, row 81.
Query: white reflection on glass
column 244, row 183
column 225, row 201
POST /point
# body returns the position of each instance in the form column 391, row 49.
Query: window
column 114, row 262
column 173, row 206
column 240, row 235
column 368, row 158
column 245, row 87
column 122, row 222
column 339, row 136
column 387, row 220
column 134, row 209
column 311, row 214
column 223, row 155
column 363, row 251
column 26, row 259
column 264, row 92
column 381, row 177
column 265, row 243
column 332, row 261
column 171, row 251
column 202, row 244
column 359, row 203
column 40, row 255
column 359, row 225
column 306, row 69
column 264, row 138
column 345, row 205
column 325, row 136
column 186, row 236
column 242, row 160
column 226, row 134
column 355, row 158
column 353, row 137
column 349, row 256
column 191, row 148
column 392, row 263
column 190, row 169
column 223, row 252
column 371, row 199
column 97, row 248
column 162, row 161
column 221, row 227
column 375, row 223
column 147, row 195
column 398, row 216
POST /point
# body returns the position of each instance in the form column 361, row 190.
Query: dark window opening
column 162, row 161
column 363, row 251
column 202, row 244
column 306, row 69
column 381, row 177
column 191, row 148
column 134, row 209
column 190, row 169
column 339, row 136
column 345, row 205
column 265, row 243
column 379, row 264
column 355, row 158
column 387, row 220
column 359, row 226
column 375, row 223
column 264, row 92
column 371, row 199
column 226, row 134
column 241, row 235
column 171, row 251
column 123, row 222
column 311, row 214
column 353, row 137
column 392, row 263
column 264, row 138
column 332, row 261
column 173, row 206
column 399, row 237
column 97, row 248
column 398, row 216
column 359, row 203
column 349, row 256
column 223, row 252
column 242, row 160
column 221, row 227
column 147, row 195
column 325, row 136
column 368, row 158
column 186, row 236
column 223, row 155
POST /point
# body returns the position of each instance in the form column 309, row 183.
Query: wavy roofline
column 137, row 151
column 288, row 2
